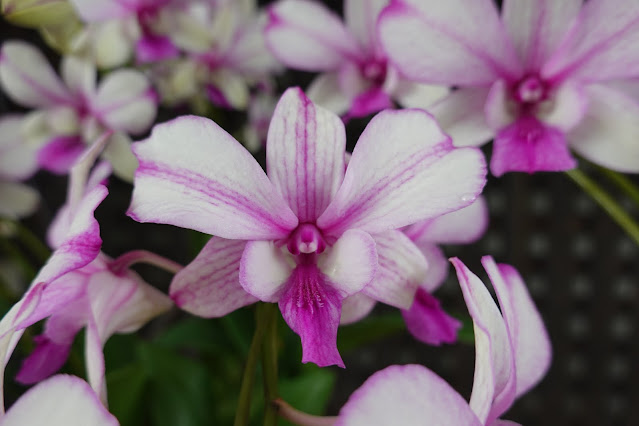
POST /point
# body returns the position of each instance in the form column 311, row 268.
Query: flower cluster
column 324, row 233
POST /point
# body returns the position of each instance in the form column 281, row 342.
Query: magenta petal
column 45, row 360
column 428, row 322
column 528, row 145
column 311, row 307
column 369, row 102
column 155, row 48
column 61, row 153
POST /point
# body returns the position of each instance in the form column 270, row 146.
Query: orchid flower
column 540, row 80
column 79, row 287
column 357, row 78
column 306, row 235
column 17, row 162
column 512, row 354
column 225, row 52
column 425, row 319
column 73, row 113
column 61, row 400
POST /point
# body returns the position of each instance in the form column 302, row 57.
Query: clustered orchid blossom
column 323, row 232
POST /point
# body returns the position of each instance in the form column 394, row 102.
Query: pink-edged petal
column 608, row 133
column 629, row 87
column 450, row 43
column 406, row 395
column 400, row 173
column 529, row 146
column 61, row 153
column 17, row 200
column 45, row 360
column 126, row 101
column 601, row 46
column 369, row 102
column 533, row 351
column 306, row 35
column 94, row 359
column 28, row 79
column 79, row 75
column 327, row 92
column 209, row 286
column 305, row 154
column 356, row 307
column 59, row 401
column 207, row 182
column 567, row 107
column 361, row 19
column 311, row 306
column 152, row 48
column 103, row 10
column 264, row 269
column 351, row 264
column 463, row 226
column 500, row 109
column 416, row 95
column 17, row 157
column 494, row 381
column 428, row 322
column 537, row 27
column 461, row 115
column 402, row 268
column 437, row 266
column 249, row 54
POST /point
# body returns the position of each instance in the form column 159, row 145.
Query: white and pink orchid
column 306, row 235
column 79, row 287
column 357, row 78
column 17, row 162
column 541, row 79
column 61, row 400
column 513, row 353
column 73, row 112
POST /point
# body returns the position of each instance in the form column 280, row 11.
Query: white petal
column 17, row 200
column 264, row 270
column 79, row 75
column 326, row 91
column 17, row 157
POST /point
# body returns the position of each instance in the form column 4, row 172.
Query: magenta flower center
column 375, row 72
column 306, row 239
column 531, row 90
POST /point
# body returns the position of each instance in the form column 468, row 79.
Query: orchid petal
column 608, row 133
column 462, row 226
column 311, row 307
column 567, row 109
column 416, row 95
column 17, row 200
column 602, row 45
column 228, row 89
column 119, row 154
column 356, row 307
column 326, row 91
column 402, row 268
column 94, row 357
column 264, row 269
column 500, row 110
column 494, row 382
column 428, row 322
column 209, row 286
column 17, row 157
column 79, row 75
column 306, row 35
column 530, row 339
column 528, row 145
column 361, row 19
column 59, row 401
column 461, row 115
column 110, row 43
column 152, row 48
column 369, row 102
column 437, row 266
column 406, row 395
column 351, row 264
column 125, row 101
column 249, row 54
column 28, row 79
column 220, row 191
column 537, row 27
column 103, row 10
column 400, row 173
column 305, row 154
column 449, row 43
column 59, row 154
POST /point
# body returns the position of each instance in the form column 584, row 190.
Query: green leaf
column 309, row 392
column 126, row 387
column 373, row 328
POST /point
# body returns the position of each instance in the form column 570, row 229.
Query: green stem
column 623, row 182
column 616, row 212
column 243, row 413
column 269, row 368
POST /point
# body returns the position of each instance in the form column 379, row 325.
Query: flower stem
column 299, row 417
column 269, row 367
column 616, row 212
column 243, row 412
column 623, row 182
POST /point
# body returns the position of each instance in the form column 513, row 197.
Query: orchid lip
column 306, row 239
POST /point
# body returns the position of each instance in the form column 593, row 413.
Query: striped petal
column 195, row 175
